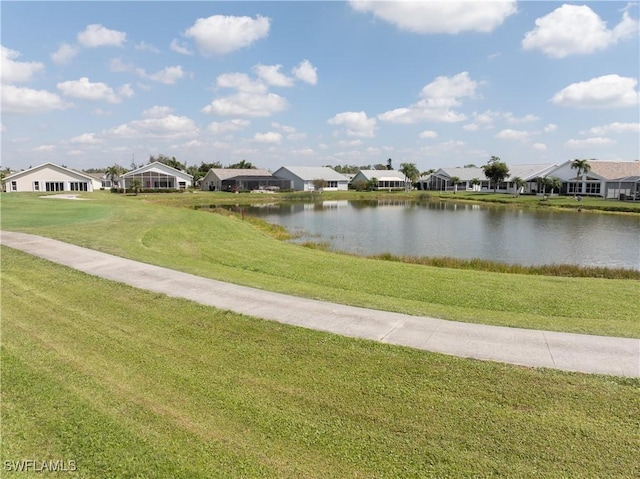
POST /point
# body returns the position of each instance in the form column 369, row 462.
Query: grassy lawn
column 229, row 249
column 129, row 383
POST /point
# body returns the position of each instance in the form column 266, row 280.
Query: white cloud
column 247, row 104
column 428, row 134
column 12, row 71
column 608, row 91
column 157, row 112
column 168, row 75
column 146, row 47
column 84, row 89
column 438, row 99
column 85, row 139
column 44, row 148
column 539, row 147
column 524, row 119
column 471, row 127
column 590, row 142
column 356, row 123
column 439, row 17
column 550, row 127
column 125, row 91
column 167, row 127
column 228, row 126
column 615, row 127
column 27, row 100
column 177, row 47
column 241, row 82
column 510, row 134
column 284, row 128
column 576, row 30
column 117, row 65
column 64, row 54
column 306, row 72
column 271, row 75
column 96, row 35
column 219, row 34
column 269, row 137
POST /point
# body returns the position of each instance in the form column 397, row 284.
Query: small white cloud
column 615, row 127
column 510, row 134
column 428, row 134
column 12, row 71
column 85, row 139
column 117, row 65
column 471, row 127
column 608, row 91
column 550, row 127
column 576, row 30
column 157, row 112
column 241, row 82
column 440, row 17
column 168, row 75
column 356, row 123
column 247, row 104
column 306, row 72
column 181, row 48
column 220, row 34
column 228, row 126
column 64, row 54
column 84, row 89
column 269, row 137
column 146, row 47
column 539, row 146
column 271, row 75
column 167, row 127
column 27, row 100
column 590, row 142
column 96, row 35
column 44, row 148
column 525, row 119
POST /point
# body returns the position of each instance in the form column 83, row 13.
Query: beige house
column 602, row 176
column 49, row 177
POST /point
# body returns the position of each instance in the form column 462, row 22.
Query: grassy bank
column 128, row 383
column 233, row 250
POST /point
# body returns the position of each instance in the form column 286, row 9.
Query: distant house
column 441, row 179
column 604, row 175
column 49, row 177
column 236, row 179
column 385, row 179
column 157, row 176
column 303, row 177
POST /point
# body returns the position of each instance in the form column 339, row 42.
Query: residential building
column 236, row 179
column 304, row 178
column 50, row 177
column 157, row 176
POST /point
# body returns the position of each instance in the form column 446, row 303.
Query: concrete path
column 569, row 352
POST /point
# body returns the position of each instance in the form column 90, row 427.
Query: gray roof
column 383, row 175
column 310, row 173
column 526, row 172
column 227, row 173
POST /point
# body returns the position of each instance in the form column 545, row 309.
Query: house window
column 593, row 189
column 78, row 186
column 183, row 185
column 332, row 184
column 36, row 186
column 574, row 188
column 54, row 186
column 14, row 186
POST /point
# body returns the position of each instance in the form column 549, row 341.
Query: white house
column 303, row 177
column 602, row 175
column 49, row 177
column 157, row 176
column 385, row 179
column 242, row 179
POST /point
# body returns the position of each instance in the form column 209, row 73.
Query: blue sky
column 92, row 84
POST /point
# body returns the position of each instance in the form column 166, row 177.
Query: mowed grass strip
column 229, row 249
column 129, row 383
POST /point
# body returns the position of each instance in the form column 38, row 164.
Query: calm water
column 435, row 228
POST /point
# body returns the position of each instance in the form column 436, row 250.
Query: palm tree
column 113, row 173
column 410, row 171
column 136, row 185
column 554, row 183
column 475, row 182
column 455, row 181
column 518, row 183
column 581, row 167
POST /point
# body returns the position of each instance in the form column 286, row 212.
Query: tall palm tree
column 581, row 167
column 455, row 181
column 410, row 171
column 113, row 173
column 518, row 183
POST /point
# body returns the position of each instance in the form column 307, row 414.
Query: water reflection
column 438, row 228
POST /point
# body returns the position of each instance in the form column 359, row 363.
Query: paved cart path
column 565, row 351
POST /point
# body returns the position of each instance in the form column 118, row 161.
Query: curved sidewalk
column 565, row 351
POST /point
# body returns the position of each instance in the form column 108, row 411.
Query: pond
column 465, row 231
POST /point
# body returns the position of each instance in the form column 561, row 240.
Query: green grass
column 229, row 249
column 129, row 383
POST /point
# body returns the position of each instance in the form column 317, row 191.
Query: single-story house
column 157, row 176
column 49, row 177
column 627, row 188
column 242, row 179
column 474, row 179
column 305, row 178
column 385, row 179
column 601, row 176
